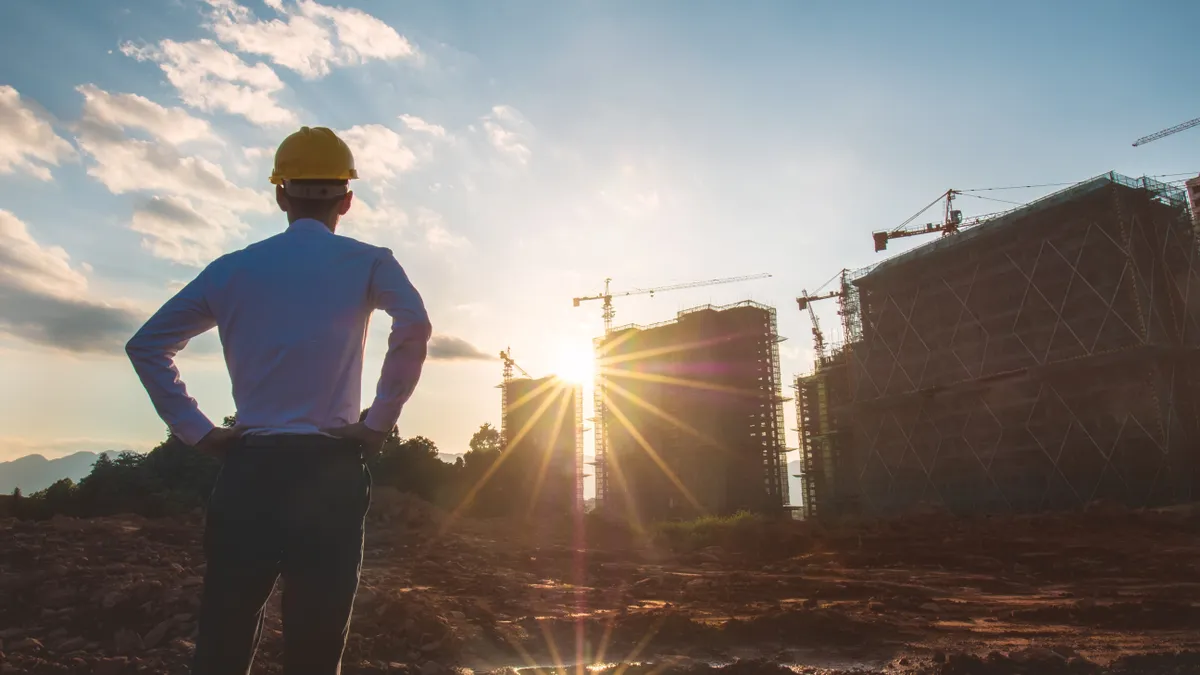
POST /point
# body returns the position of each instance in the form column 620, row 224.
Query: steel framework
column 1043, row 360
column 598, row 421
column 698, row 411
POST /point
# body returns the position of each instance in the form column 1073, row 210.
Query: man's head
column 313, row 168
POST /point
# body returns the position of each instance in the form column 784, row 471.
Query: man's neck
column 331, row 228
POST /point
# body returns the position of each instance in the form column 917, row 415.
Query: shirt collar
column 308, row 225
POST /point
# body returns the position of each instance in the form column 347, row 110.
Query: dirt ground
column 1107, row 591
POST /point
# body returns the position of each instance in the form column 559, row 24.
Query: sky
column 514, row 155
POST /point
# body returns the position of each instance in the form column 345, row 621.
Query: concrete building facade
column 690, row 416
column 543, row 441
column 1042, row 360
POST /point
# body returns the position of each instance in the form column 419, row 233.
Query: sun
column 574, row 364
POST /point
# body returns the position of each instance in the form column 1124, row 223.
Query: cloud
column 173, row 125
column 449, row 348
column 173, row 229
column 436, row 234
column 379, row 152
column 193, row 209
column 421, row 126
column 377, row 220
column 507, row 130
column 45, row 301
column 28, row 143
column 211, row 79
column 310, row 38
column 123, row 164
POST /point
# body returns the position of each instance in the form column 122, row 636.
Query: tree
column 486, row 439
column 230, row 421
column 16, row 493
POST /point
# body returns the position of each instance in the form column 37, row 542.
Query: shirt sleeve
column 152, row 351
column 392, row 292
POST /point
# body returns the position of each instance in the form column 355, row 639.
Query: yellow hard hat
column 313, row 153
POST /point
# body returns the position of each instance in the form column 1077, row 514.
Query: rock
column 1078, row 664
column 1085, row 603
column 10, row 633
column 931, row 607
column 26, row 645
column 113, row 598
column 1036, row 655
column 70, row 645
column 939, row 657
column 431, row 668
column 876, row 606
column 111, row 666
column 156, row 634
column 192, row 581
column 181, row 645
column 127, row 642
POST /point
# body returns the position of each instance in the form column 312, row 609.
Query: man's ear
column 281, row 198
column 347, row 201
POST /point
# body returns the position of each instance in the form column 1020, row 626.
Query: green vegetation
column 174, row 478
column 733, row 531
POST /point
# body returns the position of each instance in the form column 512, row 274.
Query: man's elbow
column 138, row 348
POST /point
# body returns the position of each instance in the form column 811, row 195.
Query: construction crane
column 509, row 365
column 607, row 296
column 952, row 220
column 805, row 302
column 847, row 299
column 1167, row 132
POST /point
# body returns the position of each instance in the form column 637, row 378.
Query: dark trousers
column 291, row 507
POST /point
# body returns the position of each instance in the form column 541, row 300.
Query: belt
column 301, row 442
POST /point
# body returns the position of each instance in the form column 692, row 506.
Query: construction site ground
column 1106, row 591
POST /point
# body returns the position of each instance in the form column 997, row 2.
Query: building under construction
column 689, row 416
column 1041, row 359
column 542, row 432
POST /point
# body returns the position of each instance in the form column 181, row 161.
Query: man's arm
column 152, row 351
column 392, row 292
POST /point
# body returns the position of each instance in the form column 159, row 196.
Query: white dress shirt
column 292, row 313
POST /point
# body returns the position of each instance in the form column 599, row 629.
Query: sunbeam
column 548, row 452
column 668, row 417
column 610, row 406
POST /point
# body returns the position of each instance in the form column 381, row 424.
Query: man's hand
column 218, row 441
column 368, row 438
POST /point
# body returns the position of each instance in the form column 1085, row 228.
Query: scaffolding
column 690, row 411
column 543, row 437
column 1041, row 360
column 578, row 507
column 601, row 449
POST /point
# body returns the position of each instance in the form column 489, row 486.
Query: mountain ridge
column 35, row 472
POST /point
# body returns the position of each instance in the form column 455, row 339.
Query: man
column 293, row 492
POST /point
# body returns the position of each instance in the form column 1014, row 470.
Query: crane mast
column 509, row 366
column 818, row 336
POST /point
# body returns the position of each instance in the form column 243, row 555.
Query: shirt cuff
column 380, row 420
column 191, row 431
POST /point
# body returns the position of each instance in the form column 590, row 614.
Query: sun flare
column 575, row 365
